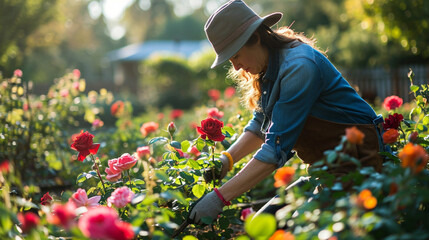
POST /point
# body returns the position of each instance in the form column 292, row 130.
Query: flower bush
column 137, row 180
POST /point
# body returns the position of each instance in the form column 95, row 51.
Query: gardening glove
column 209, row 205
column 219, row 174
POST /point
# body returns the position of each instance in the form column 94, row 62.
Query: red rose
column 212, row 129
column 46, row 199
column 28, row 221
column 214, row 94
column 176, row 113
column 392, row 102
column 84, row 145
column 229, row 92
column 393, row 121
column 4, row 166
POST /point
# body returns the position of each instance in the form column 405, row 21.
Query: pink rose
column 103, row 223
column 63, row 215
column 17, row 73
column 214, row 113
column 125, row 162
column 80, row 199
column 246, row 213
column 143, row 152
column 76, row 73
column 392, row 102
column 113, row 174
column 76, row 85
column 64, row 93
column 120, row 197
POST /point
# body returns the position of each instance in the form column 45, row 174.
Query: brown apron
column 319, row 135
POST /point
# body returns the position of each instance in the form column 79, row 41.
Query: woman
column 301, row 103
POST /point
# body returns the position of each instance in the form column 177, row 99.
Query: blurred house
column 125, row 61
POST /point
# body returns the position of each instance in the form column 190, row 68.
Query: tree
column 18, row 20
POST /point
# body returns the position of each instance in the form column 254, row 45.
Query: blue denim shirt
column 299, row 82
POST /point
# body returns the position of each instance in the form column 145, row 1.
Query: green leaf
column 193, row 164
column 169, row 194
column 81, row 177
column 331, row 157
column 200, row 144
column 138, row 181
column 198, row 190
column 189, row 179
column 261, row 226
column 228, row 131
column 189, row 237
column 185, row 145
column 157, row 139
column 176, row 144
column 414, row 88
column 162, row 175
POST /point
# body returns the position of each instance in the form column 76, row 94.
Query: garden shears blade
column 181, row 228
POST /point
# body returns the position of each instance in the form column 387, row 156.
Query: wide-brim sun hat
column 231, row 25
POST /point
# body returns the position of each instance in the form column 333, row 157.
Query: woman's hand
column 208, row 206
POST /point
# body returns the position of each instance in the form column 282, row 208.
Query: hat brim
column 233, row 48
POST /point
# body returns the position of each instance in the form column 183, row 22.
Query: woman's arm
column 245, row 144
column 254, row 172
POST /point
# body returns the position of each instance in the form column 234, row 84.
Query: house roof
column 141, row 51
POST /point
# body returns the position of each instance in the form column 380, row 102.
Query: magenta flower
column 80, row 199
column 104, row 223
column 120, row 197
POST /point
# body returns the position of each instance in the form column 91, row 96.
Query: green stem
column 214, row 168
column 98, row 172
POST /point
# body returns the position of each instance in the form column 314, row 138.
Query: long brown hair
column 249, row 84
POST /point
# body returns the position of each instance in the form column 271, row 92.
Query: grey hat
column 231, row 25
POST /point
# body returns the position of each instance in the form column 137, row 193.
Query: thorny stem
column 214, row 169
column 98, row 172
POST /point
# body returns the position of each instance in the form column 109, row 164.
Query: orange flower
column 354, row 135
column 282, row 235
column 390, row 136
column 148, row 127
column 117, row 108
column 283, row 176
column 414, row 157
column 366, row 200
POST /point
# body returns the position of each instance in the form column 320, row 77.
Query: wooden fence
column 381, row 82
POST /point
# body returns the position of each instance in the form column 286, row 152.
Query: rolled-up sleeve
column 254, row 125
column 300, row 87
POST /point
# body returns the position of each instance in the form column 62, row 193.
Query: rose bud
column 171, row 128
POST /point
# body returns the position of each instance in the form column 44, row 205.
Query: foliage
column 19, row 19
column 168, row 175
column 36, row 130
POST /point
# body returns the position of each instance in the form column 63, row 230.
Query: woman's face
column 251, row 58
